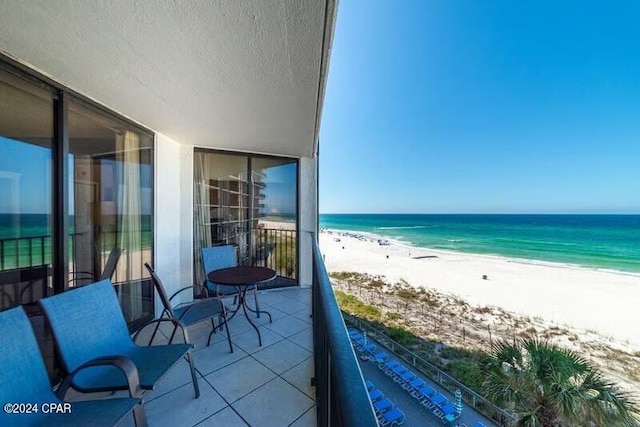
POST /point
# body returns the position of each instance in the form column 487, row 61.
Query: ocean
column 25, row 239
column 609, row 242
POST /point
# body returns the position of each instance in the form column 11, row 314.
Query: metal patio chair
column 107, row 272
column 88, row 323
column 23, row 378
column 216, row 258
column 191, row 313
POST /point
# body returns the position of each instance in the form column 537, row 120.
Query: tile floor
column 255, row 386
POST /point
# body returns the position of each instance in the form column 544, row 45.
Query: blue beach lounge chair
column 369, row 385
column 425, row 393
column 23, row 378
column 369, row 348
column 383, row 405
column 380, row 357
column 375, row 395
column 406, row 378
column 394, row 417
column 388, row 366
column 415, row 386
column 87, row 323
column 397, row 372
column 448, row 411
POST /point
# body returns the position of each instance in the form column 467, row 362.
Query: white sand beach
column 276, row 225
column 583, row 298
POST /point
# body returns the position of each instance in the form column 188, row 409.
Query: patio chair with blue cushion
column 88, row 323
column 24, row 379
column 190, row 313
column 107, row 272
column 219, row 257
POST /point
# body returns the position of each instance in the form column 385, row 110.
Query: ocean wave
column 403, row 227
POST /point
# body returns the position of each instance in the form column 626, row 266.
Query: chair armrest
column 176, row 324
column 125, row 364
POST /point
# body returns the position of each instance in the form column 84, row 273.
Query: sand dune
column 588, row 299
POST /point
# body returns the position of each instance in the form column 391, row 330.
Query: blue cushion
column 88, row 323
column 198, row 311
column 215, row 258
column 23, row 378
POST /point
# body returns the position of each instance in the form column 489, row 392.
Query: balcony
column 269, row 385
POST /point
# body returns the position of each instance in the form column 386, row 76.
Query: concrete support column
column 173, row 231
column 307, row 188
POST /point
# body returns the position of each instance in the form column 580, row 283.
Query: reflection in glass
column 110, row 206
column 274, row 207
column 26, row 134
column 249, row 202
column 221, row 205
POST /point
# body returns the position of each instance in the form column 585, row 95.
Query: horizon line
column 479, row 213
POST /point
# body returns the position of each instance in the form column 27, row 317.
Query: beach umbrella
column 458, row 403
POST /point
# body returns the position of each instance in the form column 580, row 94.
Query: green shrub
column 352, row 305
column 400, row 335
column 467, row 372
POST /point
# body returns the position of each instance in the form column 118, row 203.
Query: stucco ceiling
column 238, row 75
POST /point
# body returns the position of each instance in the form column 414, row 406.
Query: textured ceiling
column 238, row 75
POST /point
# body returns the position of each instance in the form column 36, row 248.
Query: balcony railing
column 341, row 396
column 276, row 249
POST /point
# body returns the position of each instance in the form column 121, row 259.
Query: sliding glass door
column 105, row 175
column 26, row 138
column 248, row 201
column 110, row 206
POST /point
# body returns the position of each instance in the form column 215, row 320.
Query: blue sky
column 280, row 189
column 469, row 106
column 25, row 179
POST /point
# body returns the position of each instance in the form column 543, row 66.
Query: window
column 248, row 201
column 109, row 172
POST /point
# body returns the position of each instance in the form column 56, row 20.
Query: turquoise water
column 600, row 241
column 25, row 240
